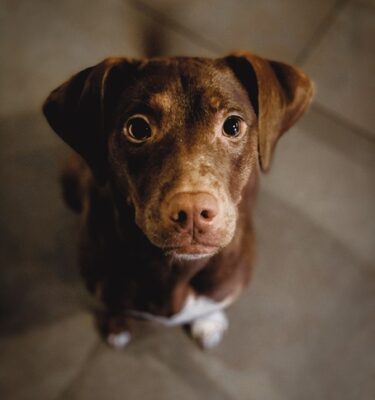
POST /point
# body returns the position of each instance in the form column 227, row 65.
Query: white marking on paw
column 208, row 331
column 119, row 340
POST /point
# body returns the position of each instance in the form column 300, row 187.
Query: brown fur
column 122, row 189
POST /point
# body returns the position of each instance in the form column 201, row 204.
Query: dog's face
column 178, row 138
column 183, row 147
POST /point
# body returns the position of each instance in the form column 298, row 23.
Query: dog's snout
column 193, row 211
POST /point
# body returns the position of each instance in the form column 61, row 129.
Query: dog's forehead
column 198, row 82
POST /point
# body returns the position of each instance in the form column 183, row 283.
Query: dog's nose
column 193, row 210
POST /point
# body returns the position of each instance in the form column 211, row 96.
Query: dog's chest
column 194, row 307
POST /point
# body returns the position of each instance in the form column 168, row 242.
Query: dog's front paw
column 119, row 340
column 209, row 330
column 114, row 329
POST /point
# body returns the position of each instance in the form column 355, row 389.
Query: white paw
column 209, row 330
column 118, row 340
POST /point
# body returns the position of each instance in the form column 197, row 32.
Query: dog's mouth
column 192, row 251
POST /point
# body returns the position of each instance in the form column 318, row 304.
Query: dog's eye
column 137, row 129
column 232, row 126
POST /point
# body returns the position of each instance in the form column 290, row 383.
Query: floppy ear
column 280, row 94
column 78, row 110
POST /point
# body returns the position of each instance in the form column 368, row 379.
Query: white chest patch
column 194, row 307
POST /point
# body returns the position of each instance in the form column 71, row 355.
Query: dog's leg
column 114, row 328
column 209, row 330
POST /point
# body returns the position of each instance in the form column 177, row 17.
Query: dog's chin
column 190, row 256
column 192, row 252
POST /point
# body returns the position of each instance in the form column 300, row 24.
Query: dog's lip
column 193, row 248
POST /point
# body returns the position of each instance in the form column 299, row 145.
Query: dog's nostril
column 206, row 214
column 180, row 217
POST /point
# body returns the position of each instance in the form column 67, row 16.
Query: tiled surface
column 305, row 328
column 333, row 184
column 241, row 24
column 43, row 43
column 37, row 250
column 138, row 374
column 343, row 65
column 40, row 363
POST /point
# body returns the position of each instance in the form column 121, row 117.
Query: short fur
column 130, row 252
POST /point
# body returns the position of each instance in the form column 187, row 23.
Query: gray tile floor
column 305, row 329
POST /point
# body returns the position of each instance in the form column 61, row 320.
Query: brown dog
column 167, row 180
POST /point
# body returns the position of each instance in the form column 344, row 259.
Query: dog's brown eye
column 138, row 129
column 232, row 126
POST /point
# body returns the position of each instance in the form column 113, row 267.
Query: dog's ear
column 279, row 93
column 78, row 110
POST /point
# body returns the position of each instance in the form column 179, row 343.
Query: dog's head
column 178, row 138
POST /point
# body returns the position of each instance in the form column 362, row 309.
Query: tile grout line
column 299, row 210
column 320, row 32
column 6, row 334
column 193, row 380
column 186, row 32
column 352, row 127
column 90, row 356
